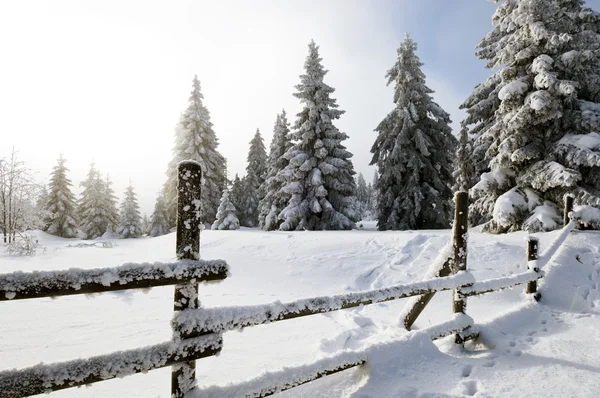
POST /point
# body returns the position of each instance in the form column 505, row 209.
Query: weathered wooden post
column 188, row 248
column 568, row 208
column 461, row 217
column 532, row 255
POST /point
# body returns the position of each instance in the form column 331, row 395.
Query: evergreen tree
column 534, row 121
column 145, row 225
column 110, row 206
column 464, row 170
column 226, row 218
column 237, row 197
column 92, row 211
column 275, row 199
column 159, row 224
column 413, row 152
column 256, row 171
column 59, row 204
column 42, row 199
column 319, row 175
column 374, row 197
column 361, row 195
column 196, row 140
column 130, row 225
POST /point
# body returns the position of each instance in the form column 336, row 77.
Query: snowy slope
column 526, row 346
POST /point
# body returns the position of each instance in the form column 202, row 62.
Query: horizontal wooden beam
column 272, row 391
column 208, row 320
column 27, row 285
column 43, row 378
column 494, row 285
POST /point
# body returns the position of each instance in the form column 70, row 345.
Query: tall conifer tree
column 534, row 122
column 275, row 199
column 256, row 171
column 59, row 204
column 319, row 175
column 130, row 223
column 413, row 152
column 196, row 140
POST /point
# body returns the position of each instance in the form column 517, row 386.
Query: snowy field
column 526, row 348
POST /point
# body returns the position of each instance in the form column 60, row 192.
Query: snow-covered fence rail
column 208, row 320
column 270, row 383
column 457, row 262
column 43, row 378
column 27, row 285
column 186, row 272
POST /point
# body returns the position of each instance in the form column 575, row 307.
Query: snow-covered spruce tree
column 413, row 152
column 535, row 121
column 361, row 195
column 237, row 195
column 226, row 218
column 464, row 169
column 92, row 212
column 374, row 197
column 275, row 199
column 145, row 225
column 59, row 204
column 110, row 206
column 196, row 140
column 130, row 221
column 256, row 171
column 158, row 220
column 319, row 175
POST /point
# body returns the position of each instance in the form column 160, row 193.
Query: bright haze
column 106, row 81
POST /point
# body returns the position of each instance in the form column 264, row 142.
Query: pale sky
column 107, row 80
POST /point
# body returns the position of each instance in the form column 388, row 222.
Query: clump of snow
column 495, row 177
column 545, row 217
column 588, row 216
column 589, row 141
column 508, row 206
column 514, row 89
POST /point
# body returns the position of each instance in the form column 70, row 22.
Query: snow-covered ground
column 526, row 348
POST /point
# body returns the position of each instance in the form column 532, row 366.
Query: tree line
column 529, row 137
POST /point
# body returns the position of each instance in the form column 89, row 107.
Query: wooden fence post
column 532, row 255
column 188, row 248
column 461, row 217
column 568, row 208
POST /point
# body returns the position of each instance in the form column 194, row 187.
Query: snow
column 514, row 89
column 589, row 141
column 587, row 215
column 507, row 205
column 276, row 381
column 524, row 348
column 490, row 285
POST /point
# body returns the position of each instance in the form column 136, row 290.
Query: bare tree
column 18, row 192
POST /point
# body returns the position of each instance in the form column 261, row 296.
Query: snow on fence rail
column 207, row 320
column 198, row 332
column 270, row 383
column 43, row 378
column 25, row 285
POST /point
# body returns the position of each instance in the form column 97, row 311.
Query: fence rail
column 197, row 332
column 27, row 285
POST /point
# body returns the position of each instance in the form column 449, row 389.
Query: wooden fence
column 198, row 332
